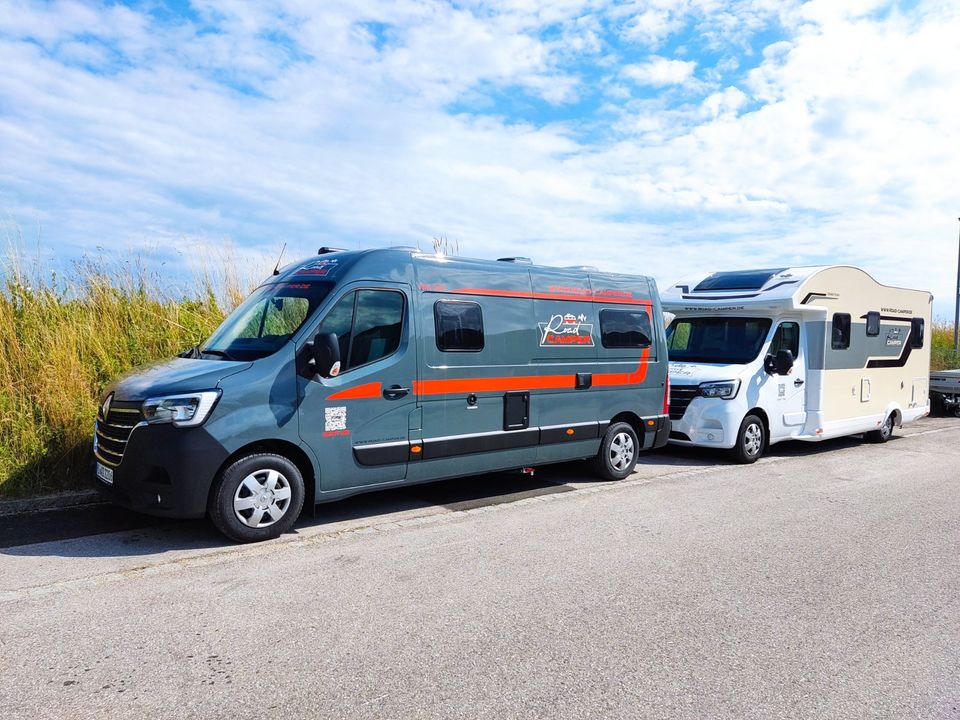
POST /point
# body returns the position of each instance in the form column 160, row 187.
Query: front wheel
column 884, row 433
column 751, row 440
column 618, row 452
column 258, row 497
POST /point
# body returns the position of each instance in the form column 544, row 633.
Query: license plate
column 105, row 473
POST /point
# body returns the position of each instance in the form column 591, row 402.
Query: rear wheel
column 883, row 433
column 618, row 452
column 751, row 440
column 258, row 497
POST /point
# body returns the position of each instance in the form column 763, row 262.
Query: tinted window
column 459, row 326
column 840, row 332
column 787, row 337
column 916, row 332
column 377, row 322
column 873, row 324
column 740, row 280
column 625, row 328
column 724, row 340
column 368, row 325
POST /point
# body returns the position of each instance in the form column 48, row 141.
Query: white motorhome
column 803, row 353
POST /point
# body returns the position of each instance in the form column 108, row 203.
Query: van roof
column 333, row 263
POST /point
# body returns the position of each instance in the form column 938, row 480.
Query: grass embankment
column 62, row 340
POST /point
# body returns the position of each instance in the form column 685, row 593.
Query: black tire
column 618, row 452
column 751, row 440
column 883, row 434
column 229, row 502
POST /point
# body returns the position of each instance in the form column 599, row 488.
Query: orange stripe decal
column 599, row 297
column 358, row 392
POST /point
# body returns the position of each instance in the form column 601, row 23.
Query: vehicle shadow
column 110, row 531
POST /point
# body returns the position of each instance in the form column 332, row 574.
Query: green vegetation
column 942, row 356
column 62, row 340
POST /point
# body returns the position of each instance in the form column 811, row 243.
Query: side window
column 787, row 337
column 840, row 335
column 916, row 332
column 377, row 323
column 339, row 321
column 368, row 325
column 625, row 329
column 459, row 326
column 873, row 324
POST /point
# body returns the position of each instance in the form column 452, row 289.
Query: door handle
column 395, row 392
column 798, row 382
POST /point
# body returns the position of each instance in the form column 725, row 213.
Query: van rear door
column 358, row 422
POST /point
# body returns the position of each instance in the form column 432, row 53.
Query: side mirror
column 783, row 362
column 325, row 352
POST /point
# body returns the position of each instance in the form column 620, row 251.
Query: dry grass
column 942, row 356
column 63, row 339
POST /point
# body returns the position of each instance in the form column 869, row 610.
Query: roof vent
column 325, row 250
column 518, row 260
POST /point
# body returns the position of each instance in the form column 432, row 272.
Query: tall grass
column 63, row 339
column 942, row 356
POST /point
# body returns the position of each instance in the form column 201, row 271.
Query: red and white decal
column 566, row 330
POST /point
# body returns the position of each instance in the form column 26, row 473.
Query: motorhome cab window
column 840, row 335
column 787, row 337
column 265, row 320
column 625, row 328
column 873, row 324
column 368, row 324
column 916, row 333
column 459, row 326
column 730, row 340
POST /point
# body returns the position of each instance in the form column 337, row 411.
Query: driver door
column 788, row 402
column 358, row 422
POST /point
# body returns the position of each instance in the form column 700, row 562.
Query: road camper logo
column 894, row 339
column 323, row 267
column 566, row 330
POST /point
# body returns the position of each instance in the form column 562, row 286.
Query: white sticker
column 335, row 419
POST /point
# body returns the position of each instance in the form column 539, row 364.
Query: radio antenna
column 276, row 269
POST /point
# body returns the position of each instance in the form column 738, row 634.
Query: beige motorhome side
column 861, row 396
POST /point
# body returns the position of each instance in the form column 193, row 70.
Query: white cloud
column 660, row 71
column 348, row 123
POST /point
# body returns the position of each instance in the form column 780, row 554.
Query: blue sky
column 664, row 137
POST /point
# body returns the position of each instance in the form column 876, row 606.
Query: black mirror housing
column 325, row 352
column 783, row 362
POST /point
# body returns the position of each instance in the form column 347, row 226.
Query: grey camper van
column 361, row 370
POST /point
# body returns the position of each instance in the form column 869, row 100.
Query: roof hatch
column 738, row 280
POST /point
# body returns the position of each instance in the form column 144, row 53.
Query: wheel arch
column 291, row 451
column 631, row 419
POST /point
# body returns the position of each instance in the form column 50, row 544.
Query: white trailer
column 803, row 353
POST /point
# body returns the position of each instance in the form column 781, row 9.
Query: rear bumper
column 165, row 471
column 661, row 431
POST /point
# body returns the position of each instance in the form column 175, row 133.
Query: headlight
column 726, row 390
column 187, row 410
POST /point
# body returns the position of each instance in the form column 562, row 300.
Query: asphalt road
column 822, row 582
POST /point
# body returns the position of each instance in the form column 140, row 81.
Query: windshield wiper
column 222, row 353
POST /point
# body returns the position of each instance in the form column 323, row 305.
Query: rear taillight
column 666, row 397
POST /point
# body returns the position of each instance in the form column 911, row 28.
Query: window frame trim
column 648, row 346
column 436, row 326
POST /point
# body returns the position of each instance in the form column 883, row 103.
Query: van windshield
column 263, row 322
column 721, row 340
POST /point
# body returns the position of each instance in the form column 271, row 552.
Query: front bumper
column 708, row 422
column 165, row 471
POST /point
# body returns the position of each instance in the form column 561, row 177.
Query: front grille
column 114, row 430
column 680, row 397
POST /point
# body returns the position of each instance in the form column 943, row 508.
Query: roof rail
column 324, row 250
column 518, row 260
